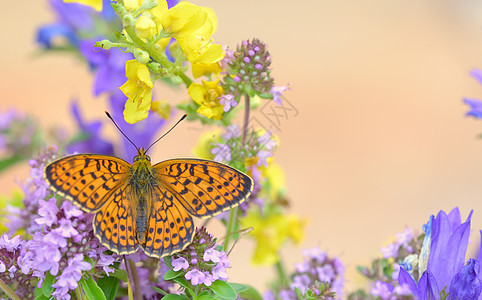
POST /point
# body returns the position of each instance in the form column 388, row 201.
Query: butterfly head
column 141, row 155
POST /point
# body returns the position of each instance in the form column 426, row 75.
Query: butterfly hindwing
column 86, row 179
column 114, row 224
column 204, row 188
column 170, row 228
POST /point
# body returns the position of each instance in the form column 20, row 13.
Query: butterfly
column 144, row 205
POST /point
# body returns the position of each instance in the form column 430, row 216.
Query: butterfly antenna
column 183, row 117
column 110, row 117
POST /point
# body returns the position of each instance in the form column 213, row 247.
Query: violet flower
column 202, row 261
column 92, row 143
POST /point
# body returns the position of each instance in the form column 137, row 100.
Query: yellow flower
column 200, row 69
column 95, row 4
column 162, row 108
column 207, row 96
column 138, row 89
column 203, row 147
column 193, row 26
column 277, row 180
column 271, row 232
column 145, row 27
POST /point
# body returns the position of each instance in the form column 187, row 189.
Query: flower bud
column 141, row 56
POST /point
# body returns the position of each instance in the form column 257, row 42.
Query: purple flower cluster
column 475, row 104
column 11, row 251
column 202, row 261
column 428, row 264
column 247, row 72
column 61, row 235
column 316, row 268
column 19, row 134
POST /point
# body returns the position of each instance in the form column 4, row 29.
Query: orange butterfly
column 147, row 205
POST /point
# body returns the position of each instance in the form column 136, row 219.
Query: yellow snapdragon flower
column 271, row 232
column 138, row 89
column 207, row 96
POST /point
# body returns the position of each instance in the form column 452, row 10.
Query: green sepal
column 265, row 95
column 175, row 297
column 109, row 285
column 223, row 290
column 91, row 289
column 246, row 291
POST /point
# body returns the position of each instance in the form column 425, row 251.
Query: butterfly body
column 144, row 205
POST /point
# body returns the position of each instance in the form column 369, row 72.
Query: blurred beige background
column 380, row 141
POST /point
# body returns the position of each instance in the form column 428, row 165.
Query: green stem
column 234, row 212
column 130, row 294
column 280, row 269
column 156, row 55
column 137, row 286
column 231, row 224
column 246, row 118
column 8, row 291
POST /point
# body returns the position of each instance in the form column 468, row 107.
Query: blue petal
column 477, row 74
column 466, row 284
column 427, row 286
column 475, row 107
column 47, row 33
column 405, row 278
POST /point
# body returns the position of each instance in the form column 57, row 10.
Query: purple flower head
column 466, row 284
column 475, row 108
column 207, row 261
column 92, row 143
column 450, row 239
column 228, row 101
column 277, row 92
column 48, row 212
column 180, row 263
column 221, row 152
column 109, row 66
column 196, row 276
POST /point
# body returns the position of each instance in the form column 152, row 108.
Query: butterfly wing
column 88, row 180
column 114, row 224
column 170, row 228
column 203, row 187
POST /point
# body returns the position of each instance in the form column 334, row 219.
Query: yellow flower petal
column 200, row 69
column 145, row 27
column 138, row 89
column 184, row 18
column 95, row 4
column 132, row 5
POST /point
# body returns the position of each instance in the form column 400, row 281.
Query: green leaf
column 168, row 261
column 91, row 289
column 246, row 291
column 121, row 274
column 223, row 290
column 47, row 288
column 38, row 294
column 175, row 297
column 187, row 287
column 298, row 293
column 109, row 285
column 10, row 161
column 170, row 275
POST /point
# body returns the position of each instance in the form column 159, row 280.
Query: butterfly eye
column 148, row 158
column 136, row 158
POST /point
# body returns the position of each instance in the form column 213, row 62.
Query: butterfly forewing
column 87, row 179
column 204, row 188
column 170, row 228
column 114, row 224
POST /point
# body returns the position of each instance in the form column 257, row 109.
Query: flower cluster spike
column 203, row 260
column 248, row 70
